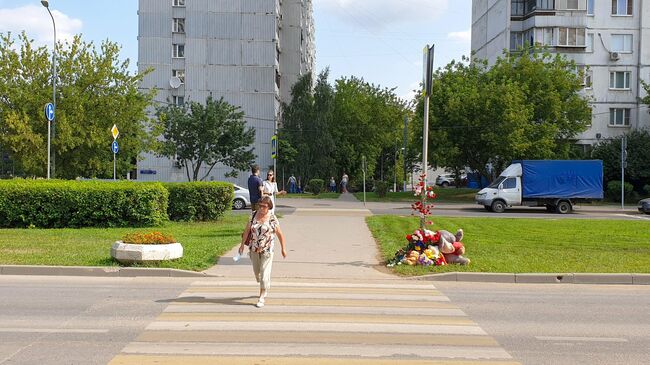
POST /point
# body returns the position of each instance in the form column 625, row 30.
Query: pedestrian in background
column 292, row 184
column 332, row 185
column 270, row 188
column 263, row 227
column 344, row 183
column 255, row 186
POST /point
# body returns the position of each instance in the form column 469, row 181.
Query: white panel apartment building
column 248, row 51
column 611, row 37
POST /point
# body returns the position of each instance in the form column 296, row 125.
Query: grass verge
column 203, row 243
column 502, row 245
column 445, row 195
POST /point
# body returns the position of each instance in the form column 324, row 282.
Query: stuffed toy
column 451, row 247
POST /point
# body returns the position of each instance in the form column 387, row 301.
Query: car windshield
column 495, row 183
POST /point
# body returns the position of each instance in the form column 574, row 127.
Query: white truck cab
column 504, row 192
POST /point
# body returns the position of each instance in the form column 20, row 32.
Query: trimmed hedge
column 199, row 201
column 59, row 203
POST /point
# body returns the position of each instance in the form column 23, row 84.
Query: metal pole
column 623, row 161
column 404, row 149
column 363, row 167
column 425, row 151
column 395, row 171
column 114, row 167
column 51, row 127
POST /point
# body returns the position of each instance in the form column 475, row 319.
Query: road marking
column 386, row 311
column 581, row 339
column 633, row 216
column 252, row 283
column 50, row 330
column 275, row 349
column 322, row 295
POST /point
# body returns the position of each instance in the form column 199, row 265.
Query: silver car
column 644, row 206
column 450, row 180
column 242, row 198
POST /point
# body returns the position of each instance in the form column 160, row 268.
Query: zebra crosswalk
column 316, row 322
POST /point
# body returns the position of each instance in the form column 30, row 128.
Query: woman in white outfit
column 270, row 188
column 263, row 227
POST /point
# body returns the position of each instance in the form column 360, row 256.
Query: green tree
column 94, row 91
column 527, row 106
column 638, row 158
column 198, row 135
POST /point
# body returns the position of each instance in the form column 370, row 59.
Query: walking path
column 330, row 303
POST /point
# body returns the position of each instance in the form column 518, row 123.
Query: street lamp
column 51, row 125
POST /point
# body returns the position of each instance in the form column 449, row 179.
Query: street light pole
column 51, row 125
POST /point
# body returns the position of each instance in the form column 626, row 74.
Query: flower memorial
column 426, row 247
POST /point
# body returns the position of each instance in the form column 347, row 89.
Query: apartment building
column 248, row 52
column 610, row 38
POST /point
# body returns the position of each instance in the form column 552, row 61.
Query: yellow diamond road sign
column 115, row 131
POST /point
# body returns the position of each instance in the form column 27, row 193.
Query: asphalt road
column 561, row 323
column 77, row 320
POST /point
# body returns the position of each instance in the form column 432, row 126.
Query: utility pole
column 406, row 120
column 623, row 166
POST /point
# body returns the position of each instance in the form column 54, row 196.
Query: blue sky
column 379, row 40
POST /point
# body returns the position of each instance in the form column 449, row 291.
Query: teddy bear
column 451, row 247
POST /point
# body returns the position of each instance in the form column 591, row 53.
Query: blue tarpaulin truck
column 554, row 184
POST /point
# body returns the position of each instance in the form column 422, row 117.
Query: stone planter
column 128, row 253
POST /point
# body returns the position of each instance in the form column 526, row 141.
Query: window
column 586, row 74
column 180, row 74
column 571, row 4
column 178, row 3
column 619, row 116
column 544, row 36
column 518, row 7
column 590, row 7
column 178, row 100
column 545, row 5
column 510, row 183
column 619, row 80
column 516, row 40
column 178, row 50
column 622, row 43
column 590, row 43
column 571, row 37
column 589, row 79
column 622, row 7
column 178, row 25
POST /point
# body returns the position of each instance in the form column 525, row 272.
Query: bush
column 646, row 189
column 316, row 186
column 381, row 188
column 614, row 191
column 199, row 201
column 59, row 204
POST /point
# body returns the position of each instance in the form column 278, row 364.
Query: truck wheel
column 563, row 207
column 498, row 206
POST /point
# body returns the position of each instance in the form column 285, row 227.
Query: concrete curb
column 95, row 271
column 542, row 278
column 522, row 278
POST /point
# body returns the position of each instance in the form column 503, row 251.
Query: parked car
column 450, row 180
column 242, row 198
column 644, row 205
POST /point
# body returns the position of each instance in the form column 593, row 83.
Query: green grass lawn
column 445, row 195
column 310, row 196
column 202, row 244
column 502, row 245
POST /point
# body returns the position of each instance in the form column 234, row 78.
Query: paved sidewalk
column 325, row 239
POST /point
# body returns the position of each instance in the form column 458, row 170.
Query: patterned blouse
column 264, row 234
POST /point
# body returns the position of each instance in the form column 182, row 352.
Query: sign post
column 115, row 147
column 49, row 115
column 426, row 92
